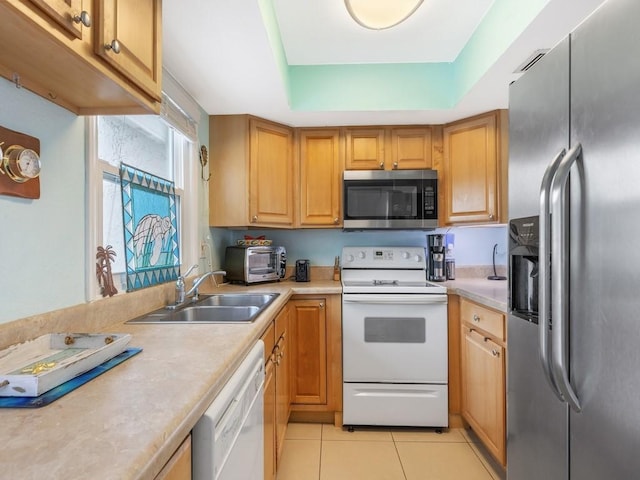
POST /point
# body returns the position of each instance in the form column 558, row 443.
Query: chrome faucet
column 198, row 281
column 180, row 294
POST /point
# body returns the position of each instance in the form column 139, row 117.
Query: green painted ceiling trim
column 407, row 86
column 275, row 39
column 502, row 25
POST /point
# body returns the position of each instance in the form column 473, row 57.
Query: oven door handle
column 395, row 299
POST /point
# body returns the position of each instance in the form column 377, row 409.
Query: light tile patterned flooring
column 325, row 452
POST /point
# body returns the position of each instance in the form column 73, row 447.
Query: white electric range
column 394, row 334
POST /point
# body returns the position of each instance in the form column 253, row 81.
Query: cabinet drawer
column 480, row 317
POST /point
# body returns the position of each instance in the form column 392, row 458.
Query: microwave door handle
column 560, row 277
column 544, row 273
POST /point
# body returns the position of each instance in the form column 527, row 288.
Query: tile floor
column 325, row 452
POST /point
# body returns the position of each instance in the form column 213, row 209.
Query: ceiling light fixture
column 381, row 14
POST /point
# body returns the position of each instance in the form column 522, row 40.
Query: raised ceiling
column 307, row 63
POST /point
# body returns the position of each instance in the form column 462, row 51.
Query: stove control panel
column 412, row 258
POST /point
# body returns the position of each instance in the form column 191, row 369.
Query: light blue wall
column 44, row 258
column 473, row 245
column 42, row 241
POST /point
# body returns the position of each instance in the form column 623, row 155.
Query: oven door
column 395, row 338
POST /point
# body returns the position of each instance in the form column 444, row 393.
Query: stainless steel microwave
column 393, row 199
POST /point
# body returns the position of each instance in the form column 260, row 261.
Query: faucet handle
column 191, row 268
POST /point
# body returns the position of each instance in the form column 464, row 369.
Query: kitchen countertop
column 491, row 293
column 126, row 423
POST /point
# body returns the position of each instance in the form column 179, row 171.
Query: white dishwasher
column 228, row 441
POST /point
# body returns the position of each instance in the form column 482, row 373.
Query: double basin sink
column 219, row 308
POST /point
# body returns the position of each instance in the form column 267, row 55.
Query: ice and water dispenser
column 523, row 267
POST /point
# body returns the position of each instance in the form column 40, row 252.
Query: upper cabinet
column 364, row 148
column 388, row 148
column 474, row 171
column 321, row 166
column 251, row 172
column 87, row 56
column 129, row 41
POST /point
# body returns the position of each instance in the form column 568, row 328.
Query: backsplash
column 473, row 245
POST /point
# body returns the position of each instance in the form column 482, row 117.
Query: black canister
column 303, row 273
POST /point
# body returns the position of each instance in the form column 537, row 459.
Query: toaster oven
column 254, row 264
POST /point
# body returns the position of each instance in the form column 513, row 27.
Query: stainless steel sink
column 221, row 308
column 237, row 300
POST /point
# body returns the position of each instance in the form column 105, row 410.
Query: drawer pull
column 476, row 317
column 495, row 353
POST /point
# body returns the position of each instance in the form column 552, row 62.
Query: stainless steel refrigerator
column 573, row 382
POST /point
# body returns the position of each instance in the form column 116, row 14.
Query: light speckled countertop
column 492, row 293
column 126, row 423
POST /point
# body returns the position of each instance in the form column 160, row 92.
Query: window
column 148, row 143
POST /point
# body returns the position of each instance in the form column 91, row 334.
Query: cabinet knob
column 336, row 220
column 114, row 46
column 321, row 305
column 476, row 317
column 254, row 219
column 491, row 216
column 381, row 165
column 495, row 353
column 84, row 18
column 395, row 165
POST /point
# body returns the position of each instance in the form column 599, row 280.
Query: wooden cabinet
column 321, row 167
column 283, row 362
column 316, row 353
column 364, row 148
column 411, row 148
column 129, row 40
column 474, row 170
column 251, row 172
column 277, row 403
column 67, row 14
column 54, row 48
column 482, row 372
column 179, row 465
column 388, row 148
column 268, row 337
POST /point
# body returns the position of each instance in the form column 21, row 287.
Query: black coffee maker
column 436, row 244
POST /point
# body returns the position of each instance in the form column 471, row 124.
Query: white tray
column 31, row 368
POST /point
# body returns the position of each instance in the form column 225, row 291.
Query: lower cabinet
column 316, row 355
column 277, row 403
column 483, row 371
column 179, row 465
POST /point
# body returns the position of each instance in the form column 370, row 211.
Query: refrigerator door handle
column 560, row 277
column 544, row 273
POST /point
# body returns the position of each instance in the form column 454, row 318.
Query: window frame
column 186, row 189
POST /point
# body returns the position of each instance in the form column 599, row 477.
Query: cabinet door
column 483, row 389
column 271, row 175
column 129, row 39
column 269, row 422
column 179, row 465
column 411, row 148
column 364, row 149
column 320, row 178
column 470, row 168
column 268, row 337
column 283, row 397
column 309, row 352
column 68, row 14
